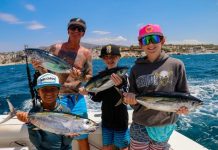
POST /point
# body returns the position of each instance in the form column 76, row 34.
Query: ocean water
column 202, row 74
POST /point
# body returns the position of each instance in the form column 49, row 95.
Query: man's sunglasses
column 155, row 39
column 79, row 28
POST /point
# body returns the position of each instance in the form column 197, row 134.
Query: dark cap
column 76, row 22
column 110, row 50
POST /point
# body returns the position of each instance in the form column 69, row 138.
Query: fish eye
column 88, row 122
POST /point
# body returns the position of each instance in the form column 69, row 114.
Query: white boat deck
column 14, row 136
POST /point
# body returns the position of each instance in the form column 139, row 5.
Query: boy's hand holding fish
column 129, row 98
column 22, row 116
column 75, row 73
column 117, row 80
column 182, row 110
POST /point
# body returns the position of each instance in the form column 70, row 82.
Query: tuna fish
column 58, row 123
column 49, row 61
column 102, row 81
column 168, row 101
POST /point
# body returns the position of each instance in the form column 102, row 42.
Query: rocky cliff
column 12, row 57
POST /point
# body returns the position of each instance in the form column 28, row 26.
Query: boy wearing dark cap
column 151, row 129
column 80, row 59
column 114, row 118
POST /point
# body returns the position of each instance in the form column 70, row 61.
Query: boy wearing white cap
column 151, row 129
column 48, row 89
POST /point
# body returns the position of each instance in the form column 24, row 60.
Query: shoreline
column 10, row 64
column 96, row 57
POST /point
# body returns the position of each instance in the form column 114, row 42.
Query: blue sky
column 44, row 22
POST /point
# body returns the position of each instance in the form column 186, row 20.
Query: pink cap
column 150, row 29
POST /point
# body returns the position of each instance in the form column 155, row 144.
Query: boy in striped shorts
column 151, row 129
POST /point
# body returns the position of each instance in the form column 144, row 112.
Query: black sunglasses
column 79, row 28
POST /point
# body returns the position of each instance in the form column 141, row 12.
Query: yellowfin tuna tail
column 11, row 114
column 121, row 99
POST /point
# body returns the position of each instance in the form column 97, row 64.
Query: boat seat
column 15, row 148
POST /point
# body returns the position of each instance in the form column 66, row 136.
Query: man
column 81, row 61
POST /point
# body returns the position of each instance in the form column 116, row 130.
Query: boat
column 14, row 136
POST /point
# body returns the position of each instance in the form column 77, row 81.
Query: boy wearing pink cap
column 151, row 129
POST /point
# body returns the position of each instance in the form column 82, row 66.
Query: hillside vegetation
column 132, row 51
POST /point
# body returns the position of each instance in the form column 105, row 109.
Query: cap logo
column 47, row 78
column 108, row 49
column 149, row 29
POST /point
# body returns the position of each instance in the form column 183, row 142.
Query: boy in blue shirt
column 48, row 89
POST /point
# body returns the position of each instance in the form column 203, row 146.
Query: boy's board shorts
column 141, row 140
column 77, row 105
column 120, row 139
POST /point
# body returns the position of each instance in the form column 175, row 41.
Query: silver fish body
column 62, row 123
column 168, row 101
column 49, row 61
column 57, row 122
column 102, row 81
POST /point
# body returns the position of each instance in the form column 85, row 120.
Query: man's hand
column 22, row 116
column 37, row 65
column 129, row 98
column 117, row 80
column 182, row 110
column 83, row 91
column 72, row 135
column 75, row 73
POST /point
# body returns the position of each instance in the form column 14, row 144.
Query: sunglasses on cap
column 79, row 28
column 155, row 39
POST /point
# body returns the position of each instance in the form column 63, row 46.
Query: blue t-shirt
column 77, row 105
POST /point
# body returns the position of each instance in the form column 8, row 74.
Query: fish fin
column 97, row 115
column 146, row 108
column 11, row 114
column 7, row 118
column 119, row 102
column 36, row 129
column 84, row 72
column 121, row 99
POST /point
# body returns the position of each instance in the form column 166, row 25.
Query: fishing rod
column 30, row 80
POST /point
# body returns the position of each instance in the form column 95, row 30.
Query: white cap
column 47, row 79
